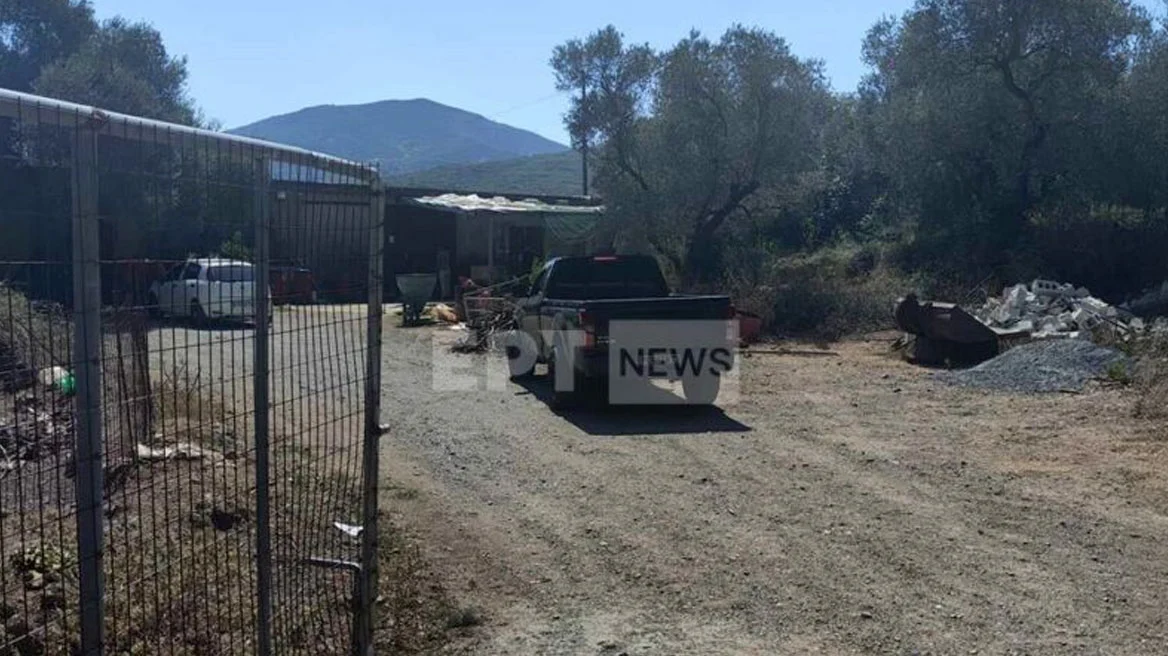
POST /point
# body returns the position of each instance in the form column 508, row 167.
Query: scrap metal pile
column 482, row 331
column 488, row 312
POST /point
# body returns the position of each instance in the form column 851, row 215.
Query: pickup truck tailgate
column 666, row 308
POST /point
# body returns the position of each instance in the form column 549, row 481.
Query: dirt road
column 847, row 504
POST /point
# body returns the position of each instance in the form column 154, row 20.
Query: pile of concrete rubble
column 36, row 425
column 1047, row 309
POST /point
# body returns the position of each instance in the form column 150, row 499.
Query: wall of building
column 414, row 238
column 474, row 235
column 326, row 229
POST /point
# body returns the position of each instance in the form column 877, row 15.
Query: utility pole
column 584, row 135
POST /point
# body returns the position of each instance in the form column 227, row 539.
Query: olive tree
column 689, row 137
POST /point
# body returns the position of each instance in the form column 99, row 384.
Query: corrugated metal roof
column 30, row 109
column 308, row 174
column 502, row 204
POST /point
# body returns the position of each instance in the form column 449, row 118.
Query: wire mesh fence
column 189, row 372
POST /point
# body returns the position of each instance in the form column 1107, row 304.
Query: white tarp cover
column 476, row 203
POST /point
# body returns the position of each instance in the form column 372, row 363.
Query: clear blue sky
column 250, row 59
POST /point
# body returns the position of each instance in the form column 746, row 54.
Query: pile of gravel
column 1042, row 366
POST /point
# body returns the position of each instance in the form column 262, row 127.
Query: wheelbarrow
column 416, row 290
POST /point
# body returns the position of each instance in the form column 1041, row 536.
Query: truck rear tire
column 701, row 390
column 518, row 371
column 519, row 364
column 562, row 399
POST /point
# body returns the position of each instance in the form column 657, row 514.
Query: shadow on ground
column 592, row 413
column 207, row 325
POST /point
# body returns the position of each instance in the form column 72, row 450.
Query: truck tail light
column 588, row 325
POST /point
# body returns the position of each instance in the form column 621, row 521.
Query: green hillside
column 402, row 136
column 551, row 174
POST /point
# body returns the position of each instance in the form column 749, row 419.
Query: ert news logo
column 660, row 362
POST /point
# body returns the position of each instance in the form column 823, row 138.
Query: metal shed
column 485, row 236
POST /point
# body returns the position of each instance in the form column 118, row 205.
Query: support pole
column 490, row 246
column 260, row 394
column 88, row 404
column 584, row 139
column 371, row 455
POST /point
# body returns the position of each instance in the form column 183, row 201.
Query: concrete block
column 1094, row 304
column 1053, row 324
column 1013, row 304
column 1051, row 288
column 1085, row 319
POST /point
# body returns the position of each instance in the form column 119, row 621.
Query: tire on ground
column 701, row 390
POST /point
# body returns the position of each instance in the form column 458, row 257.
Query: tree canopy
column 36, row 33
column 1006, row 138
column 990, row 109
column 692, row 134
column 56, row 48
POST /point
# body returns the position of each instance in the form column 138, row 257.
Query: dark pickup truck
column 566, row 317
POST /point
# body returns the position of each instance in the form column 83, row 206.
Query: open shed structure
column 484, row 236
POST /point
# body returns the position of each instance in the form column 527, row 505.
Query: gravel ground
column 848, row 504
column 1042, row 366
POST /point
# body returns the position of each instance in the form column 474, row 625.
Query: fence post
column 88, row 403
column 371, row 461
column 260, row 351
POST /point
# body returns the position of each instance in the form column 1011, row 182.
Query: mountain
column 401, row 135
column 555, row 174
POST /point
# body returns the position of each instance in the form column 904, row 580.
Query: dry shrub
column 38, row 570
column 414, row 613
column 33, row 335
column 1149, row 375
column 823, row 295
column 188, row 409
column 180, row 578
column 39, row 598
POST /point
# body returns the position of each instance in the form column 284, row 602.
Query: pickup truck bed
column 573, row 301
column 679, row 307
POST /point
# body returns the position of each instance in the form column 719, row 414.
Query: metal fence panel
column 217, row 435
column 39, row 555
column 318, row 387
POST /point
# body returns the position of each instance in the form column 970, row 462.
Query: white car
column 208, row 288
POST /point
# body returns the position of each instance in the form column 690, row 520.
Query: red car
column 292, row 285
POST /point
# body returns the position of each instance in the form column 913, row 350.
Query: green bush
column 827, row 294
column 1112, row 250
column 235, row 249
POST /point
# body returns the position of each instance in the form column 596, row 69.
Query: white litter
column 52, row 376
column 350, row 530
column 182, row 451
